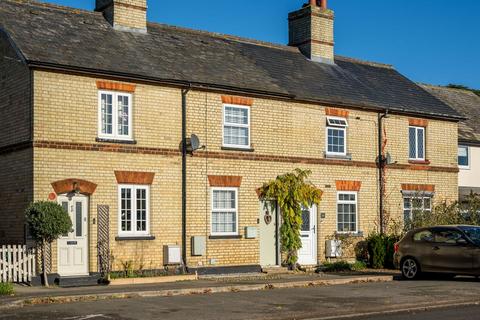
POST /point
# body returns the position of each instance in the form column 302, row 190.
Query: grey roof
column 466, row 103
column 83, row 40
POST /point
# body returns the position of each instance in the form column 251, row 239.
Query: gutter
column 233, row 90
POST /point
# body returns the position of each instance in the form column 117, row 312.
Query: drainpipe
column 184, row 174
column 381, row 164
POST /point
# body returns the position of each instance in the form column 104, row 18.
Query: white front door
column 73, row 247
column 307, row 255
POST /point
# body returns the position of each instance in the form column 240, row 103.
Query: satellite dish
column 389, row 159
column 193, row 143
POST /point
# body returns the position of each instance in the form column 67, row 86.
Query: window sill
column 419, row 161
column 126, row 238
column 358, row 234
column 116, row 141
column 238, row 149
column 225, row 237
column 347, row 157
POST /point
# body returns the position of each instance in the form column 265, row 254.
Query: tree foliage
column 47, row 221
column 291, row 192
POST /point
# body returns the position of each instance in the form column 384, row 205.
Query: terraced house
column 156, row 137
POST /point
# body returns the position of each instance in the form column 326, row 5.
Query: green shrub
column 47, row 221
column 358, row 265
column 6, row 289
column 342, row 266
column 381, row 250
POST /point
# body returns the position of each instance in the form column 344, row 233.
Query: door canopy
column 74, row 185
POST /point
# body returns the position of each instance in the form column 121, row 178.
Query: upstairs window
column 114, row 115
column 336, row 136
column 236, row 126
column 417, row 143
column 463, row 157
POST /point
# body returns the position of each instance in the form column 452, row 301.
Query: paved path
column 299, row 303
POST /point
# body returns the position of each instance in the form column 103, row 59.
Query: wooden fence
column 17, row 263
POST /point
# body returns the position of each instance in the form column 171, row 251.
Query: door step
column 82, row 281
column 275, row 270
column 309, row 269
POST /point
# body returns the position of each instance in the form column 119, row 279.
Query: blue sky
column 431, row 41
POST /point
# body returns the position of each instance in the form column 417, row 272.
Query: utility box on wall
column 172, row 255
column 251, row 232
column 333, row 249
column 199, row 245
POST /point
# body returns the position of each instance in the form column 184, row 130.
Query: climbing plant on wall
column 291, row 192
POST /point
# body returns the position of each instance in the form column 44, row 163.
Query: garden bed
column 151, row 280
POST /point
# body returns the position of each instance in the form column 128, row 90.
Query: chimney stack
column 311, row 30
column 125, row 15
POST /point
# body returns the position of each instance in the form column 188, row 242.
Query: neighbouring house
column 466, row 103
column 101, row 112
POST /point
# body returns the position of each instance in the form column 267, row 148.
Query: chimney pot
column 313, row 3
column 323, row 4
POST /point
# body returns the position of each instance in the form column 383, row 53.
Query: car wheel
column 410, row 268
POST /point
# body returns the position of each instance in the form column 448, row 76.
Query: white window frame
column 133, row 232
column 347, row 202
column 336, row 127
column 412, row 197
column 237, row 146
column 417, row 158
column 114, row 135
column 467, row 167
column 212, row 210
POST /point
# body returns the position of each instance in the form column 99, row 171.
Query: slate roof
column 83, row 40
column 466, row 103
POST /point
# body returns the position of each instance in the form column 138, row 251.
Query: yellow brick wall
column 66, row 111
column 295, row 129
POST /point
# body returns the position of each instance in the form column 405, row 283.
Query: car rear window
column 425, row 235
column 473, row 233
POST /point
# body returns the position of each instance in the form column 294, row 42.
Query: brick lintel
column 225, row 181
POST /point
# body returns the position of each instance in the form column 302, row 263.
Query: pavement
column 413, row 300
column 25, row 295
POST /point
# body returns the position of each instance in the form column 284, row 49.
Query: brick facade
column 16, row 181
column 284, row 135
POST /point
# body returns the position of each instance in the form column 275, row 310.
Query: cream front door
column 73, row 247
column 307, row 255
column 269, row 251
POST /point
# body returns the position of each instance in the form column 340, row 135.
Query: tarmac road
column 373, row 301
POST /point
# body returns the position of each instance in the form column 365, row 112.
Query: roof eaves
column 237, row 90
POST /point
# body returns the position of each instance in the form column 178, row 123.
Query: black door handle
column 436, row 248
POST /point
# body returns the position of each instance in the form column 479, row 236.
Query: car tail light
column 395, row 247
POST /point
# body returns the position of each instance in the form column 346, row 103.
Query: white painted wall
column 471, row 177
